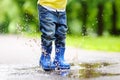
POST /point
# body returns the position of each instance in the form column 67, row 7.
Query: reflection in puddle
column 91, row 70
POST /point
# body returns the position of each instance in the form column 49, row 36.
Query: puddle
column 79, row 71
column 91, row 70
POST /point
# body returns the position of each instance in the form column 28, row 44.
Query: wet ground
column 19, row 61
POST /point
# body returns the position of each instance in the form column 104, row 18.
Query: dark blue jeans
column 53, row 26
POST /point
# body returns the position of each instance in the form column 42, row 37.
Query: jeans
column 53, row 26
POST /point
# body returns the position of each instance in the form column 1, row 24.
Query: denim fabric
column 53, row 26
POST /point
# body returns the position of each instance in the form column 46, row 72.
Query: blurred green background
column 93, row 24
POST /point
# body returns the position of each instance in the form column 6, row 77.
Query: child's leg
column 47, row 27
column 61, row 30
column 60, row 35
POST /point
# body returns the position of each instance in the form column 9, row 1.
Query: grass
column 110, row 43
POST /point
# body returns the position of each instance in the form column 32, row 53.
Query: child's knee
column 49, row 36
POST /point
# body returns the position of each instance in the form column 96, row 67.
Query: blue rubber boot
column 59, row 59
column 45, row 59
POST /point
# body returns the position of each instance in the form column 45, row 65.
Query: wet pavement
column 19, row 61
